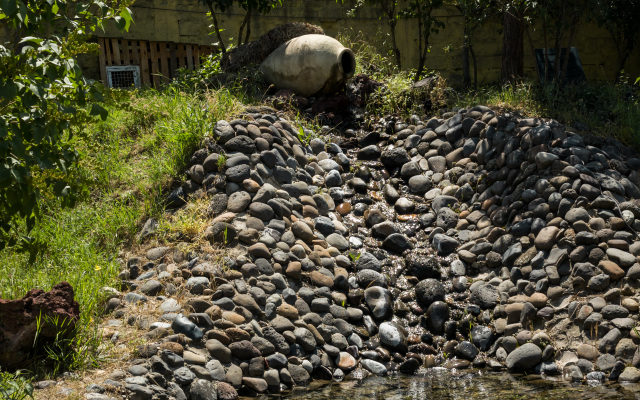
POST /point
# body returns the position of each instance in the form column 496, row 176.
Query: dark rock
column 429, row 291
column 18, row 319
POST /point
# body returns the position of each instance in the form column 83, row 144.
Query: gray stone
column 524, row 357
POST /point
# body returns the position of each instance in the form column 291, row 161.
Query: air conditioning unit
column 123, row 77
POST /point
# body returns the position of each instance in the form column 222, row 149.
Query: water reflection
column 439, row 383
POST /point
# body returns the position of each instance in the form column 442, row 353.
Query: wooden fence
column 158, row 61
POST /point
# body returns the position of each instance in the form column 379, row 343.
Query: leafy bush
column 201, row 78
column 44, row 102
column 398, row 95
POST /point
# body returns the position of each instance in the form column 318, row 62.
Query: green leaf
column 37, row 90
column 23, row 13
column 96, row 109
column 8, row 90
column 61, row 189
column 32, row 39
column 121, row 23
column 126, row 15
column 8, row 7
column 5, row 173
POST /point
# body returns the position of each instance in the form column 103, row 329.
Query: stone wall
column 186, row 22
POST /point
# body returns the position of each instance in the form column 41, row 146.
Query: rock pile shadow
column 475, row 240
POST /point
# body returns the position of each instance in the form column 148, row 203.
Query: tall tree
column 475, row 13
column 620, row 18
column 251, row 7
column 221, row 6
column 422, row 11
column 513, row 25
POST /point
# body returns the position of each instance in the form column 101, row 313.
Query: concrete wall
column 185, row 21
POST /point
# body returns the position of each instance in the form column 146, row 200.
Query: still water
column 464, row 385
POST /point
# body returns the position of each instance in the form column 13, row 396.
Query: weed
column 71, row 347
column 354, row 256
column 15, row 386
column 222, row 161
column 304, row 137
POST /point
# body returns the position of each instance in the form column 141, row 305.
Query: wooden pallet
column 158, row 61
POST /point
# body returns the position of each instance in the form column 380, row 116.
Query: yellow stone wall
column 185, row 21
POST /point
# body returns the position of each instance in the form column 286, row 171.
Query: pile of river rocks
column 475, row 240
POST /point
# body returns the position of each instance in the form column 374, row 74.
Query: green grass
column 128, row 164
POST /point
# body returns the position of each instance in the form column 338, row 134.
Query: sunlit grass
column 128, row 165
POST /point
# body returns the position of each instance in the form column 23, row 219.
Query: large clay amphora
column 309, row 65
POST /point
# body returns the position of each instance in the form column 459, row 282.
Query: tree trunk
column 621, row 59
column 466, row 75
column 557, row 55
column 567, row 54
column 421, row 48
column 390, row 11
column 396, row 50
column 215, row 26
column 533, row 51
column 475, row 68
column 244, row 22
column 246, row 38
column 546, row 50
column 512, row 48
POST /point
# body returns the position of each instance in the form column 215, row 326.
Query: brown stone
column 320, row 280
column 172, row 346
column 257, row 384
column 612, row 269
column 588, row 352
column 219, row 335
column 226, row 391
column 344, row 208
column 250, row 185
column 214, row 312
column 539, row 300
column 233, row 317
column 513, row 312
column 307, row 201
column 288, row 311
column 294, row 270
column 236, row 334
column 346, row 361
column 617, row 223
column 495, row 234
column 316, row 334
column 309, row 212
column 584, row 312
column 546, row 238
column 630, row 304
